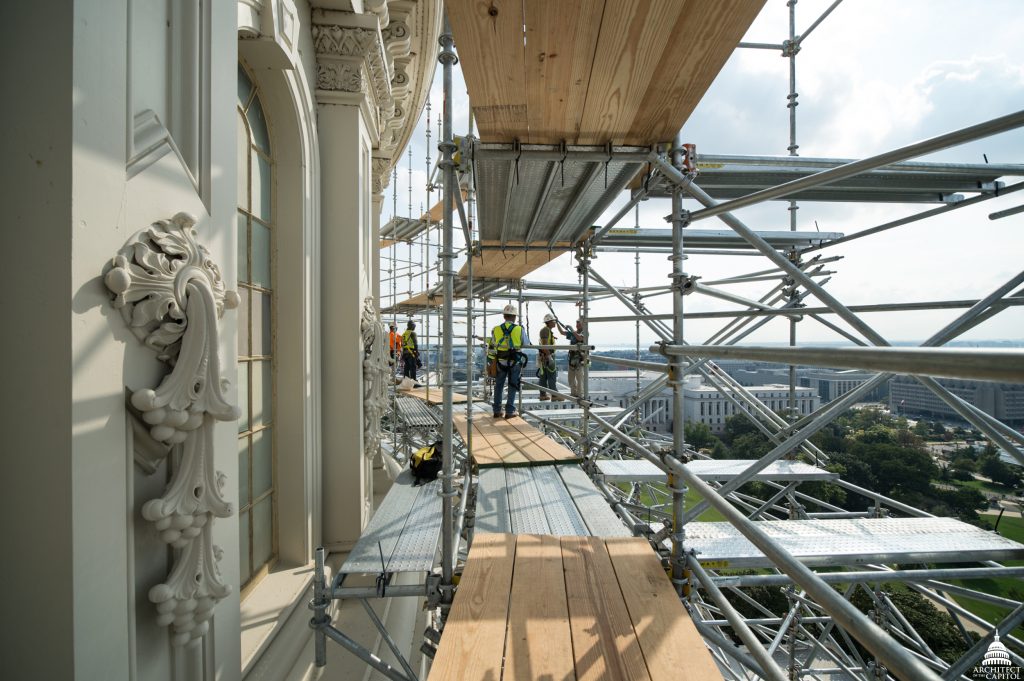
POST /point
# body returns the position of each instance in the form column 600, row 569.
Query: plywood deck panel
column 433, row 396
column 491, row 53
column 578, row 608
column 603, row 638
column 627, row 72
column 511, row 442
column 560, row 41
column 539, row 643
column 511, row 263
column 474, row 636
column 672, row 648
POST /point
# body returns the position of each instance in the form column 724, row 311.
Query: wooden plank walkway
column 433, row 396
column 564, row 608
column 510, row 442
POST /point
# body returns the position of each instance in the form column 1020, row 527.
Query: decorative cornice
column 171, row 294
column 376, row 375
column 338, row 42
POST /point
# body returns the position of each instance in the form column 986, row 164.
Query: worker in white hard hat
column 576, row 358
column 547, row 370
column 505, row 360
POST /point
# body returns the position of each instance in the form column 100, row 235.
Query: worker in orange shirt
column 394, row 341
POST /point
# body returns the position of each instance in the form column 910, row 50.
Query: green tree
column 698, row 435
column 993, row 468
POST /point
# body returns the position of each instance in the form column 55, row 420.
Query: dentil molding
column 171, row 294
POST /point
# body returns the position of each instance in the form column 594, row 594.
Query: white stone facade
column 120, row 488
column 705, row 404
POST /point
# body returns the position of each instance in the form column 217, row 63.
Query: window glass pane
column 262, row 393
column 260, row 255
column 262, row 531
column 243, row 396
column 261, row 187
column 244, row 87
column 258, row 122
column 262, row 463
column 243, row 248
column 244, row 295
column 243, row 471
column 243, row 163
column 261, row 324
column 244, row 563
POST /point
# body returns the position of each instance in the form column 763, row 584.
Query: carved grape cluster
column 167, row 425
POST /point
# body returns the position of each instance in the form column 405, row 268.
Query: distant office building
column 1004, row 401
column 831, row 384
column 705, row 404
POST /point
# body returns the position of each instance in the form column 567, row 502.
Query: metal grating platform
column 786, row 471
column 402, row 229
column 545, row 200
column 556, row 500
column 556, row 414
column 415, row 413
column 407, row 526
column 713, row 238
column 729, row 177
column 854, row 541
column 633, row 470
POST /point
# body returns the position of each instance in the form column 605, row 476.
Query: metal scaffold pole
column 447, row 147
column 676, row 378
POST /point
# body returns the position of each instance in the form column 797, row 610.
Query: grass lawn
column 1009, row 587
column 982, row 486
column 692, row 499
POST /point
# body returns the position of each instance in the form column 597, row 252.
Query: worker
column 505, row 342
column 394, row 342
column 576, row 359
column 547, row 370
column 410, row 351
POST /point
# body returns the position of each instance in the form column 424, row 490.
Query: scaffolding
column 643, row 476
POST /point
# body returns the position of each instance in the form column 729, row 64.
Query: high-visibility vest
column 505, row 338
column 395, row 341
column 409, row 341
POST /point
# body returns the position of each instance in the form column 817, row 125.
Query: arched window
column 256, row 460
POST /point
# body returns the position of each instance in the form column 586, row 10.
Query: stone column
column 353, row 88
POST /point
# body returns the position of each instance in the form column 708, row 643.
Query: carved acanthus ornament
column 171, row 295
column 358, row 48
column 376, row 372
column 381, row 174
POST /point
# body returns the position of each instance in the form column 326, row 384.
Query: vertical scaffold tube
column 676, row 485
column 470, row 350
column 447, row 147
column 585, row 313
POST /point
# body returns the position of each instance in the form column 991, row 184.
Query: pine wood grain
column 473, row 643
column 491, row 54
column 603, row 640
column 554, row 451
column 672, row 648
column 539, row 642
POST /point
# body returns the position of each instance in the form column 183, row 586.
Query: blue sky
column 875, row 75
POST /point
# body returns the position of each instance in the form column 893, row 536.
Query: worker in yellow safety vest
column 410, row 351
column 547, row 370
column 503, row 353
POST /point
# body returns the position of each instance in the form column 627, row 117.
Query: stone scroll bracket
column 171, row 295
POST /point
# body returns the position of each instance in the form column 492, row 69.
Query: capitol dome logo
column 996, row 665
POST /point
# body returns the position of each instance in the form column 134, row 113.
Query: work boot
column 496, row 414
column 544, row 397
column 510, row 415
column 557, row 398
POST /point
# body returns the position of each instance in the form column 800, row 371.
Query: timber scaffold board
column 585, row 608
column 592, row 71
column 510, row 442
column 433, row 396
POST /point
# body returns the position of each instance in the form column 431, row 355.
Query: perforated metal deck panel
column 633, row 470
column 597, row 514
column 531, row 200
column 402, row 229
column 727, row 469
column 559, row 500
column 405, row 528
column 563, row 517
column 556, row 414
column 492, row 513
column 525, row 503
column 415, row 412
column 853, row 541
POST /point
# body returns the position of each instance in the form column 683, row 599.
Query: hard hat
column 549, row 318
column 510, row 309
column 412, row 324
column 393, row 325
